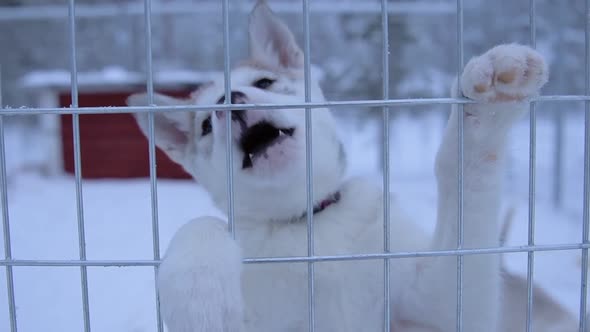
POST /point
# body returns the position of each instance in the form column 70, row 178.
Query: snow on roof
column 117, row 76
column 112, row 76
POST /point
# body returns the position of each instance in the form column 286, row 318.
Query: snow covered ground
column 118, row 224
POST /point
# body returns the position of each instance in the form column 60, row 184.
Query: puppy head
column 268, row 146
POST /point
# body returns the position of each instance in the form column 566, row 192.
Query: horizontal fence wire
column 323, row 258
column 335, row 105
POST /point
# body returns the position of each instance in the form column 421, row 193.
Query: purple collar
column 332, row 199
column 324, row 204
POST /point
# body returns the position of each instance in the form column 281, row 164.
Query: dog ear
column 171, row 129
column 271, row 41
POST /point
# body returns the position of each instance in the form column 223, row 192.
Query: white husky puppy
column 202, row 283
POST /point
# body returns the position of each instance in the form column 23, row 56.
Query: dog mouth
column 257, row 139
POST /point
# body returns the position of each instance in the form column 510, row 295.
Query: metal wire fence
column 387, row 106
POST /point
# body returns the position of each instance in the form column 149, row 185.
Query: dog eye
column 263, row 83
column 206, row 126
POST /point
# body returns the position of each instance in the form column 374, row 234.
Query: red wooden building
column 112, row 145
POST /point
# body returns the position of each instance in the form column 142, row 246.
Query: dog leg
column 501, row 80
column 199, row 280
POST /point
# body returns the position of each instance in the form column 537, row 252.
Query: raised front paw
column 509, row 72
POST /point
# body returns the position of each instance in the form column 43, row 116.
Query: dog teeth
column 287, row 131
column 247, row 162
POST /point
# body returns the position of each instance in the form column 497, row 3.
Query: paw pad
column 504, row 73
column 507, row 77
column 480, row 88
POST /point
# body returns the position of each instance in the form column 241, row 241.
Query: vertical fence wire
column 152, row 152
column 6, row 222
column 558, row 159
column 460, row 156
column 78, row 165
column 386, row 172
column 586, row 196
column 532, row 180
column 227, row 100
column 308, row 167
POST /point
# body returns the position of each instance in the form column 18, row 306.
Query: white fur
column 204, row 287
column 191, row 302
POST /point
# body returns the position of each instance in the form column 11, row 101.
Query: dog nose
column 237, row 97
column 236, row 115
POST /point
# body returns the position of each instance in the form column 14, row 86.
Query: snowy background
column 346, row 44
